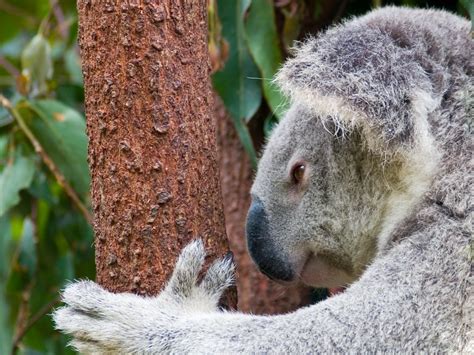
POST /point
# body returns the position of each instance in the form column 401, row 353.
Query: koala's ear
column 359, row 77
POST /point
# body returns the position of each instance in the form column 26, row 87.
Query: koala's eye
column 297, row 173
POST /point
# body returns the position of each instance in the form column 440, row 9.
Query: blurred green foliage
column 45, row 236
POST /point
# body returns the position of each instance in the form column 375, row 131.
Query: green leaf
column 262, row 38
column 269, row 124
column 73, row 65
column 17, row 16
column 14, row 46
column 27, row 253
column 16, row 176
column 65, row 267
column 3, row 146
column 61, row 132
column 37, row 65
column 9, row 26
column 40, row 188
column 246, row 140
column 236, row 83
column 5, row 255
column 5, row 117
column 71, row 95
column 469, row 6
column 5, row 247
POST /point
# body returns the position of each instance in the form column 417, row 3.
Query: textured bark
column 152, row 153
column 257, row 294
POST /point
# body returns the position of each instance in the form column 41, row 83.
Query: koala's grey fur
column 380, row 116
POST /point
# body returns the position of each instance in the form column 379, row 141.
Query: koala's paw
column 183, row 287
column 103, row 322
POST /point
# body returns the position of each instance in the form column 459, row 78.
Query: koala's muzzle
column 262, row 247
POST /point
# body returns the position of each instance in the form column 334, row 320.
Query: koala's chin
column 318, row 272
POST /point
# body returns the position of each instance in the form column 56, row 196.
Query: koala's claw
column 183, row 281
column 187, row 269
column 84, row 295
column 86, row 328
column 219, row 277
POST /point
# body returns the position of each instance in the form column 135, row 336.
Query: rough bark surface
column 257, row 294
column 152, row 153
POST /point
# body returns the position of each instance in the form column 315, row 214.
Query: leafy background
column 45, row 234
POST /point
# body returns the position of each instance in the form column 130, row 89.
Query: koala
column 366, row 183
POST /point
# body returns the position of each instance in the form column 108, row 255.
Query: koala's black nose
column 262, row 248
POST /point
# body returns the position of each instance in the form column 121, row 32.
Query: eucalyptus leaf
column 469, row 6
column 61, row 132
column 263, row 42
column 40, row 188
column 237, row 84
column 246, row 140
column 14, row 46
column 269, row 124
column 73, row 65
column 15, row 176
column 37, row 64
column 27, row 254
column 5, row 255
column 9, row 26
column 5, row 117
column 3, row 147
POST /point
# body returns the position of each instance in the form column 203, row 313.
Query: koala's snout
column 261, row 245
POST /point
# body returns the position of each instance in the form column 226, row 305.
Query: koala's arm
column 381, row 312
column 185, row 318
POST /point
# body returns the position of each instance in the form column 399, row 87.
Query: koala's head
column 352, row 156
column 318, row 202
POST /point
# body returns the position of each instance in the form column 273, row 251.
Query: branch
column 46, row 159
column 16, row 11
column 22, row 318
column 35, row 318
column 9, row 67
column 23, row 313
column 58, row 13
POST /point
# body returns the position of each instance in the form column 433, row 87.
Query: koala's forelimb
column 379, row 313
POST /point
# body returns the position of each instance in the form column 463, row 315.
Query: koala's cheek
column 269, row 258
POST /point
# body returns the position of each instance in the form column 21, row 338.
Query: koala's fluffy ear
column 377, row 73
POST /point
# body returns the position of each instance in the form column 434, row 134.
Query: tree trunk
column 152, row 152
column 257, row 294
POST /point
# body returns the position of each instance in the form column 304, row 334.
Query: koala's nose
column 261, row 247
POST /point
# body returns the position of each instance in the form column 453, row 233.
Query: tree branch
column 9, row 67
column 63, row 26
column 16, row 11
column 34, row 318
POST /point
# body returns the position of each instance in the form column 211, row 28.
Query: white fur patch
column 420, row 166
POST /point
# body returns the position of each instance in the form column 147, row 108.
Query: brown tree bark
column 152, row 153
column 257, row 293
